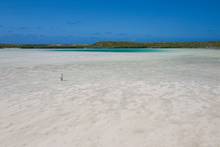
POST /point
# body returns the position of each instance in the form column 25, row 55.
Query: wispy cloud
column 28, row 28
column 19, row 29
column 23, row 28
column 108, row 32
column 73, row 22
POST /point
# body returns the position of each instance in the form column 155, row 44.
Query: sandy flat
column 167, row 99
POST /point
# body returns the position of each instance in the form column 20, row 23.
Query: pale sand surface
column 167, row 99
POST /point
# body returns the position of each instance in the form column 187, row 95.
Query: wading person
column 61, row 77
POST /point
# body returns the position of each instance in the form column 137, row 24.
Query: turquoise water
column 114, row 50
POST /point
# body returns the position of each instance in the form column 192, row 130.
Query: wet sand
column 162, row 99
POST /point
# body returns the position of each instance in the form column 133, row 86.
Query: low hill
column 111, row 44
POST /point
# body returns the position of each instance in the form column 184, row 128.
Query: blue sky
column 88, row 21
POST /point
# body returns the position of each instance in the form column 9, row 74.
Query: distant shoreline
column 110, row 44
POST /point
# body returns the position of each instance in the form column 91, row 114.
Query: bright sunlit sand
column 110, row 99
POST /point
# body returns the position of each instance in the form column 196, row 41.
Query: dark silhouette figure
column 61, row 77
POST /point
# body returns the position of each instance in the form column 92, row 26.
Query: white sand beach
column 163, row 99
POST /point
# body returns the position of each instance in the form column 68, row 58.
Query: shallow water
column 127, row 99
column 112, row 50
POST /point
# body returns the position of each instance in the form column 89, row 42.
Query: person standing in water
column 61, row 77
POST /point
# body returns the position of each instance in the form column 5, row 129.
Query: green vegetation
column 119, row 45
column 158, row 45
